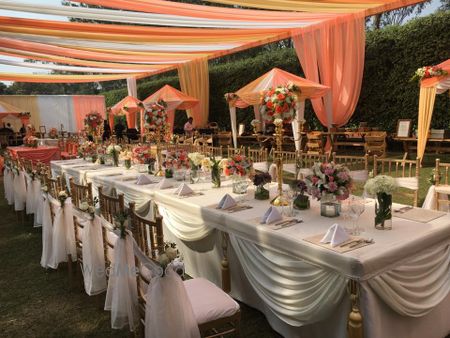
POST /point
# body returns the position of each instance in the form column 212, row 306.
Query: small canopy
column 175, row 100
column 428, row 89
column 12, row 115
column 128, row 106
column 251, row 95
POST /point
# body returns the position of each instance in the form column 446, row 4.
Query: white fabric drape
column 20, row 191
column 47, row 232
column 94, row 273
column 359, row 175
column 233, row 125
column 297, row 292
column 132, row 87
column 121, row 295
column 299, row 118
column 30, row 200
column 63, row 238
column 38, row 202
column 416, row 287
column 9, row 186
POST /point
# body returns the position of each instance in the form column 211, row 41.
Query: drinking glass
column 357, row 207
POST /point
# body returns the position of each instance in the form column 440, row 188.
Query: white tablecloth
column 269, row 268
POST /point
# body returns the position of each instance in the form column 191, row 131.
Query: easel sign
column 403, row 128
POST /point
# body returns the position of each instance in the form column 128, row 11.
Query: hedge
column 392, row 56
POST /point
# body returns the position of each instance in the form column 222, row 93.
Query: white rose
column 171, row 253
column 117, row 148
column 62, row 194
column 84, row 206
column 163, row 259
column 91, row 209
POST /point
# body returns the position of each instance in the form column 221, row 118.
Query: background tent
column 12, row 115
column 175, row 100
column 251, row 95
column 128, row 106
column 428, row 89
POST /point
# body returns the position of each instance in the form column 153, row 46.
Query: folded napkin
column 183, row 190
column 143, row 179
column 226, row 202
column 271, row 215
column 164, row 184
column 335, row 235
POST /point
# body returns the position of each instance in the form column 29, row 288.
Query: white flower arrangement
column 62, row 196
column 84, row 206
column 278, row 122
column 255, row 122
column 380, row 184
column 126, row 155
column 196, row 158
column 168, row 256
column 206, row 163
column 44, row 188
column 113, row 148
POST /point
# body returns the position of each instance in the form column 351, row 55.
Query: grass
column 35, row 302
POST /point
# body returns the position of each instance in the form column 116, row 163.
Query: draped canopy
column 128, row 106
column 428, row 89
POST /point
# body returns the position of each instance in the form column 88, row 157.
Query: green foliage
column 392, row 56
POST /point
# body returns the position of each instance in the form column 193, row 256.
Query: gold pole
column 160, row 172
column 279, row 200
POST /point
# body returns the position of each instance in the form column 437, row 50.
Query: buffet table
column 43, row 154
column 301, row 287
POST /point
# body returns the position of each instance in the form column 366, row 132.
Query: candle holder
column 279, row 200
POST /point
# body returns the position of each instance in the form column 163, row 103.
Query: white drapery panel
column 411, row 183
column 297, row 292
column 20, row 191
column 132, row 87
column 39, row 203
column 30, row 201
column 417, row 286
column 359, row 175
column 430, row 200
column 9, row 186
column 47, row 232
column 63, row 238
column 233, row 124
column 54, row 112
column 299, row 118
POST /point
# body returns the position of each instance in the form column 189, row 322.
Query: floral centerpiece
column 175, row 160
column 87, row 149
column 114, row 150
column 126, row 156
column 30, row 141
column 170, row 256
column 92, row 122
column 239, row 166
column 427, row 72
column 53, row 133
column 155, row 115
column 279, row 102
column 195, row 159
column 301, row 200
column 382, row 186
column 329, row 182
column 144, row 155
column 259, row 180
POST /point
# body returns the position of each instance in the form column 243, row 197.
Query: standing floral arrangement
column 142, row 155
column 329, row 179
column 279, row 103
column 93, row 121
column 30, row 141
column 239, row 165
column 53, row 133
column 176, row 160
column 427, row 72
column 155, row 115
column 114, row 150
column 382, row 186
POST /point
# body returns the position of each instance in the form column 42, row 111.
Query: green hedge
column 392, row 56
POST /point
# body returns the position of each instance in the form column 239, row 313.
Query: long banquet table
column 301, row 287
column 43, row 154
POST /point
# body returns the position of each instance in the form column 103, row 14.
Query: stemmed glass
column 289, row 194
column 357, row 207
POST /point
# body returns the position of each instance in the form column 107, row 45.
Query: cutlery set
column 404, row 209
column 354, row 243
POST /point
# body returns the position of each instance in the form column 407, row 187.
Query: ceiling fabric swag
column 54, row 78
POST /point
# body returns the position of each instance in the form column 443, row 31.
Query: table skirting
column 43, row 154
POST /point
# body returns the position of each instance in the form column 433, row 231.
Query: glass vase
column 329, row 206
column 261, row 193
column 240, row 184
column 168, row 173
column 301, row 202
column 215, row 176
column 193, row 175
column 383, row 212
column 127, row 164
column 115, row 158
column 179, row 174
column 151, row 168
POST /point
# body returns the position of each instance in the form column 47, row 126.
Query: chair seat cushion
column 208, row 301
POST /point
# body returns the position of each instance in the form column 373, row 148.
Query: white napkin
column 335, row 235
column 143, row 179
column 164, row 184
column 183, row 190
column 271, row 215
column 226, row 202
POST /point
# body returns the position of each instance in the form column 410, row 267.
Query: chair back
column 375, row 143
column 352, row 162
column 78, row 229
column 406, row 172
column 286, row 156
column 258, row 155
column 314, row 143
column 224, row 138
column 442, row 173
column 110, row 206
column 80, row 193
column 306, row 160
column 235, row 151
column 54, row 185
column 214, row 151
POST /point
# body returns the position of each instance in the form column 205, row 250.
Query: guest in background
column 189, row 127
column 132, row 134
column 106, row 131
column 8, row 126
column 23, row 130
column 118, row 129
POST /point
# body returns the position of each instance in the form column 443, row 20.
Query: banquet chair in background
column 286, row 156
column 375, row 143
column 258, row 155
column 217, row 314
column 306, row 161
column 214, row 151
column 235, row 151
column 442, row 185
column 358, row 165
column 80, row 193
column 224, row 139
column 406, row 173
column 314, row 142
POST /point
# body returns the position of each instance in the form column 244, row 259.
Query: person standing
column 189, row 127
column 118, row 129
column 106, row 131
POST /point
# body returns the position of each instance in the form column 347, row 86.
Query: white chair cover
column 94, row 273
column 47, row 231
column 63, row 240
column 430, row 199
column 9, row 186
column 303, row 172
column 359, row 175
column 38, row 202
column 121, row 295
column 273, row 172
column 411, row 183
column 30, row 200
column 20, row 191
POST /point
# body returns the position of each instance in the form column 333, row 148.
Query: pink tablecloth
column 43, row 154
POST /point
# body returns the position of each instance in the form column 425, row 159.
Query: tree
column 398, row 16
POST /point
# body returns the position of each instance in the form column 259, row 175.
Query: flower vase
column 215, row 176
column 329, row 206
column 151, row 168
column 127, row 164
column 301, row 202
column 261, row 193
column 168, row 173
column 240, row 184
column 179, row 174
column 94, row 158
column 383, row 211
column 115, row 158
column 102, row 160
column 193, row 175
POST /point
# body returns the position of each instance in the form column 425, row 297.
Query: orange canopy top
column 433, row 81
column 174, row 98
column 9, row 108
column 128, row 104
column 251, row 93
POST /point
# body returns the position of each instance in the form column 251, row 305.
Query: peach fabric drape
column 56, row 78
column 333, row 55
column 26, row 103
column 194, row 81
column 83, row 105
column 426, row 104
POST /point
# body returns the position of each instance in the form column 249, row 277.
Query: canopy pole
column 297, row 123
column 233, row 124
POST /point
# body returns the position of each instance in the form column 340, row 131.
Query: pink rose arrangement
column 176, row 160
column 239, row 165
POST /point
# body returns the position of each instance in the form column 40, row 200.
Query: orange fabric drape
column 54, row 78
column 426, row 104
column 194, row 81
column 111, row 120
column 83, row 105
column 333, row 55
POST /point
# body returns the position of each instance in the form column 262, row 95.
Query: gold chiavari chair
column 406, row 173
column 258, row 155
column 80, row 193
column 149, row 236
column 442, row 185
column 214, row 151
column 352, row 162
column 314, row 143
column 235, row 151
column 375, row 143
column 286, row 156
